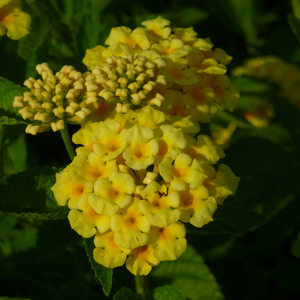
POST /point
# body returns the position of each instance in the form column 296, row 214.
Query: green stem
column 67, row 141
column 141, row 285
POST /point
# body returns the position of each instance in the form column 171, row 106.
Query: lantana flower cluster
column 196, row 84
column 140, row 173
column 273, row 69
column 134, row 182
column 13, row 21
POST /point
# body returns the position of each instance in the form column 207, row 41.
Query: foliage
column 252, row 248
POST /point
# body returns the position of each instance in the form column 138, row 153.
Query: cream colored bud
column 135, row 99
column 28, row 84
column 141, row 78
column 58, row 88
column 34, row 104
column 66, row 81
column 112, row 84
column 60, row 125
column 161, row 80
column 150, row 176
column 70, row 110
column 45, row 117
column 141, row 95
column 46, row 95
column 32, row 129
column 134, row 86
column 150, row 65
column 47, row 105
column 150, row 72
column 90, row 100
column 138, row 189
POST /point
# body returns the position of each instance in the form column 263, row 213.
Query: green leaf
column 253, row 86
column 15, row 236
column 28, row 194
column 296, row 246
column 230, row 218
column 296, row 8
column 126, row 294
column 241, row 16
column 4, row 120
column 190, row 275
column 14, row 150
column 8, row 91
column 7, row 298
column 103, row 274
column 30, row 48
column 167, row 292
column 295, row 25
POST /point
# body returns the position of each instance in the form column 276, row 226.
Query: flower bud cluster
column 135, row 181
column 196, row 85
column 54, row 99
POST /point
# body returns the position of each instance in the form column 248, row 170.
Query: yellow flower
column 130, row 226
column 83, row 137
column 223, row 184
column 149, row 116
column 197, row 207
column 156, row 29
column 91, row 168
column 85, row 220
column 109, row 140
column 141, row 260
column 204, row 149
column 170, row 140
column 174, row 48
column 169, row 242
column 112, row 194
column 186, row 172
column 142, row 148
column 66, row 189
column 161, row 210
column 13, row 20
column 107, row 253
column 135, row 40
column 177, row 71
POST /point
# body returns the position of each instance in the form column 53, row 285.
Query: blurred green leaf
column 296, row 8
column 7, row 298
column 31, row 49
column 232, row 217
column 241, row 16
column 195, row 15
column 103, row 274
column 4, row 120
column 8, row 91
column 13, row 150
column 253, row 86
column 295, row 249
column 28, row 194
column 295, row 25
column 190, row 275
column 126, row 294
column 167, row 292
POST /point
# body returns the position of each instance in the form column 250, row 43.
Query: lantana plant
column 141, row 170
